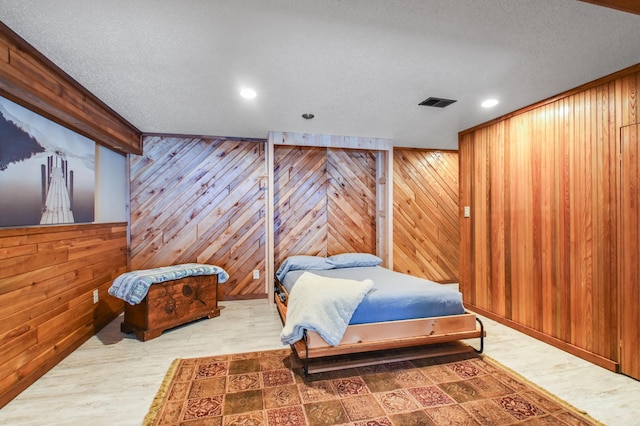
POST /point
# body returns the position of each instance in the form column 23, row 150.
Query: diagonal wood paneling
column 324, row 201
column 425, row 216
column 300, row 202
column 200, row 200
column 351, row 201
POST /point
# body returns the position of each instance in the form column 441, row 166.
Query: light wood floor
column 112, row 378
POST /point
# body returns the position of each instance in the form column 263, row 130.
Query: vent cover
column 437, row 102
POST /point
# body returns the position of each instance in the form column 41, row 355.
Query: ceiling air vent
column 437, row 102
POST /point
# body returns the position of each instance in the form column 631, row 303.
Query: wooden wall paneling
column 443, row 177
column 47, row 279
column 351, row 202
column 324, row 201
column 303, row 164
column 300, row 202
column 546, row 168
column 563, row 301
column 542, row 192
column 630, row 252
column 48, row 274
column 270, row 236
column 426, row 234
column 330, row 141
column 497, row 215
column 574, row 257
column 558, row 187
column 630, row 6
column 384, row 206
column 467, row 284
column 201, row 200
column 602, row 287
column 586, row 306
column 27, row 77
column 478, row 215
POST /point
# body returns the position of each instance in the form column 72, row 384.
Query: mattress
column 394, row 296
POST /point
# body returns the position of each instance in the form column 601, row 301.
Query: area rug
column 269, row 388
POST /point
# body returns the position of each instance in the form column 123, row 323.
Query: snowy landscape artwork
column 47, row 172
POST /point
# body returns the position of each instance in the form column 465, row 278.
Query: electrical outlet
column 467, row 211
column 95, row 296
column 256, row 274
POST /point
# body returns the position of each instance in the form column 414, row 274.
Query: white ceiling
column 360, row 66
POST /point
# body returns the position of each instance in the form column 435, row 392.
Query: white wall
column 112, row 180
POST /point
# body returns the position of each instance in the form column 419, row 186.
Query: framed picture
column 47, row 172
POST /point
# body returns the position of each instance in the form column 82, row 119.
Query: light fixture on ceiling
column 307, row 116
column 248, row 93
column 490, row 103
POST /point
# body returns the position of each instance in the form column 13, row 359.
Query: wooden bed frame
column 442, row 334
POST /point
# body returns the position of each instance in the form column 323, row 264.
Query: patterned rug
column 268, row 388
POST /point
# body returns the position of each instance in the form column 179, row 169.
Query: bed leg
column 305, row 367
column 481, row 337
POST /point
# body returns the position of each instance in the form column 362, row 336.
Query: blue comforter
column 394, row 296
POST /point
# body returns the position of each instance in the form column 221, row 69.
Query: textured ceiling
column 360, row 66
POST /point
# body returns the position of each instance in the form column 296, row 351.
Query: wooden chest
column 171, row 304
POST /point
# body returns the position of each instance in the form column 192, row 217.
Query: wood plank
column 32, row 80
column 630, row 6
column 426, row 236
column 300, row 202
column 47, row 297
column 338, row 362
column 201, row 200
column 330, row 141
column 546, row 256
column 630, row 253
column 351, row 201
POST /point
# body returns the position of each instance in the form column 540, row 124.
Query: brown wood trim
column 244, row 297
column 204, row 137
column 602, row 80
column 48, row 229
column 573, row 350
column 26, row 47
column 36, row 83
column 629, row 6
column 413, row 148
column 382, row 345
column 380, row 357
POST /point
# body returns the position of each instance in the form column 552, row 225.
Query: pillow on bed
column 354, row 260
column 302, row 263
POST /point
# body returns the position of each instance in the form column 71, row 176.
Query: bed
column 369, row 310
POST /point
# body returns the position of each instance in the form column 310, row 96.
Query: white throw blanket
column 324, row 305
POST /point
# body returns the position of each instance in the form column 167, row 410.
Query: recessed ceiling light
column 490, row 103
column 248, row 93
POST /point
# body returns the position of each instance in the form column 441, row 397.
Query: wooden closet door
column 630, row 253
